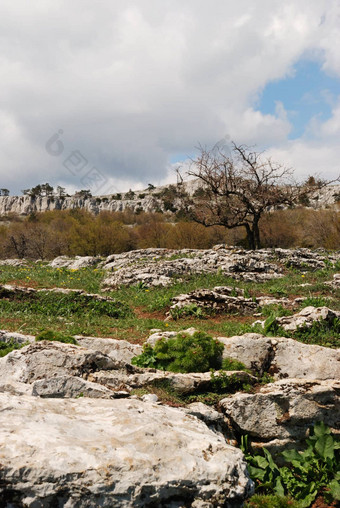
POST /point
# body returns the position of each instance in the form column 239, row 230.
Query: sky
column 116, row 94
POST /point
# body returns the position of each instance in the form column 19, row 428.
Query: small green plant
column 8, row 347
column 221, row 382
column 233, row 364
column 185, row 353
column 323, row 333
column 188, row 310
column 307, row 474
column 316, row 301
column 55, row 336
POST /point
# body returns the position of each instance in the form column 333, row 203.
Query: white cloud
column 135, row 83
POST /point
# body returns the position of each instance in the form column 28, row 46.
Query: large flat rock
column 113, row 453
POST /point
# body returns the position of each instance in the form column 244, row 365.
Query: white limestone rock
column 118, row 454
column 45, row 359
column 70, row 387
column 306, row 317
column 284, row 410
column 117, row 349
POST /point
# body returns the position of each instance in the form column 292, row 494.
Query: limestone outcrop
column 72, row 422
column 149, row 200
column 113, row 453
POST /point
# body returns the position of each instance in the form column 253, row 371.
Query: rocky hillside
column 166, row 198
column 95, row 411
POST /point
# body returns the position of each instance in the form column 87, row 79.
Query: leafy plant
column 185, row 353
column 308, row 473
column 55, row 336
column 188, row 310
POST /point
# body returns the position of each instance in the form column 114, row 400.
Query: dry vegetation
column 78, row 232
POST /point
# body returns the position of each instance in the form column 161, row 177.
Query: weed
column 323, row 333
column 316, row 301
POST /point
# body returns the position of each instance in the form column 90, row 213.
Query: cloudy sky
column 112, row 94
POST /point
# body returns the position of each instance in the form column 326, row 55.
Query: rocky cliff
column 166, row 198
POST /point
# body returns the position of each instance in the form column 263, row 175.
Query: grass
column 56, row 336
column 261, row 501
column 141, row 308
column 39, row 275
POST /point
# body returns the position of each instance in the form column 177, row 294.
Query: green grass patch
column 233, row 364
column 262, row 501
column 42, row 276
column 8, row 347
column 56, row 336
column 58, row 304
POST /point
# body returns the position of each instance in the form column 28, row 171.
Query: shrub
column 185, row 353
column 55, row 336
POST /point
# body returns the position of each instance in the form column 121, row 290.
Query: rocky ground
column 83, row 426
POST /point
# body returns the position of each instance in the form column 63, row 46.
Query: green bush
column 311, row 472
column 56, row 336
column 185, row 353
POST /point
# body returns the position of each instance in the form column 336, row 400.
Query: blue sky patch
column 308, row 93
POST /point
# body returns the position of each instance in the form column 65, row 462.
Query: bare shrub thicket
column 78, row 232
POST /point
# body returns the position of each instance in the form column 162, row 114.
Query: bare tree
column 239, row 187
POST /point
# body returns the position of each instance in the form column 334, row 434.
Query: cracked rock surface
column 113, row 453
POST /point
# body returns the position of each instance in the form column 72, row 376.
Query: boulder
column 252, row 349
column 155, row 267
column 113, row 453
column 117, row 349
column 222, row 299
column 295, row 359
column 45, row 359
column 19, row 338
column 74, row 263
column 306, row 317
column 282, row 412
column 283, row 357
column 335, row 283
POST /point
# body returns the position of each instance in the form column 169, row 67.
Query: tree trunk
column 250, row 237
column 256, row 231
column 253, row 235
